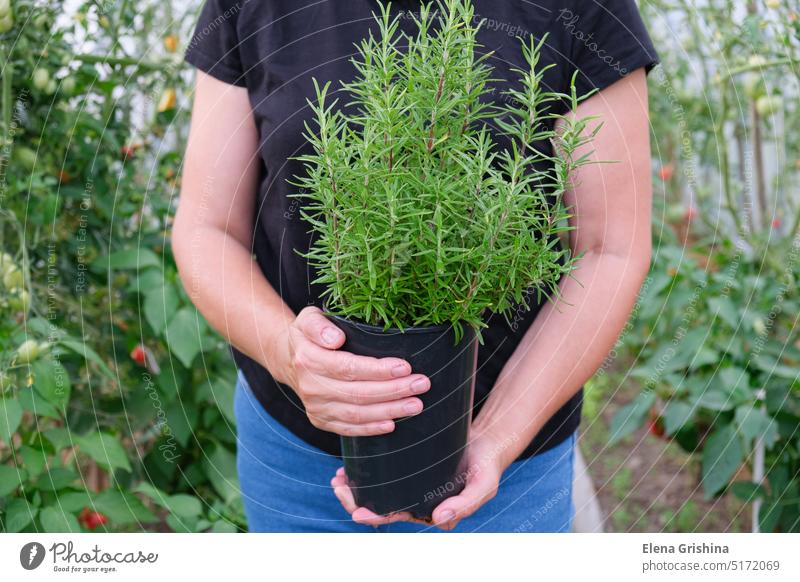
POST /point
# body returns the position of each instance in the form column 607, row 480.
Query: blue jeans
column 285, row 484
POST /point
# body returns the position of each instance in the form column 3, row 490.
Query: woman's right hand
column 344, row 393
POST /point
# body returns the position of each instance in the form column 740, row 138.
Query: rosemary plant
column 419, row 217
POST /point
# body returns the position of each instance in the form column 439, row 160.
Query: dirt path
column 647, row 484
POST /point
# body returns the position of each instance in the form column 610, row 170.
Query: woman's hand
column 484, row 467
column 343, row 393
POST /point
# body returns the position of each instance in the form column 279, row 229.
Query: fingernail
column 387, row 426
column 330, row 335
column 400, row 370
column 420, row 385
column 447, row 516
column 414, row 407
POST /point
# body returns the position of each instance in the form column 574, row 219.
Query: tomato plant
column 714, row 340
column 115, row 395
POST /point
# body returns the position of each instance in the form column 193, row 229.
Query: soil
column 645, row 483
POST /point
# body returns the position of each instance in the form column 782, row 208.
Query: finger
column 319, row 329
column 355, row 414
column 371, row 393
column 364, row 516
column 352, row 368
column 450, row 511
column 343, row 493
column 354, row 430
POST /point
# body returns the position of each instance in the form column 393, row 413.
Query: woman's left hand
column 484, row 467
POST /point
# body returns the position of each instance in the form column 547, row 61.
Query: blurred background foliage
column 116, row 397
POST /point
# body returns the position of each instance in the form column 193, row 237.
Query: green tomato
column 20, row 301
column 768, row 105
column 6, row 23
column 42, row 21
column 41, row 78
column 25, row 156
column 675, row 212
column 51, row 87
column 753, row 86
column 5, row 8
column 28, row 351
column 759, row 326
column 13, row 278
column 68, row 85
column 6, row 261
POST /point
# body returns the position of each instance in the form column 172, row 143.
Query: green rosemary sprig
column 419, row 217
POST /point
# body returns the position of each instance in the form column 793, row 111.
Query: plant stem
column 757, row 66
column 758, row 163
column 144, row 66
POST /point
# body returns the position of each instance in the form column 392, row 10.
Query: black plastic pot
column 419, row 464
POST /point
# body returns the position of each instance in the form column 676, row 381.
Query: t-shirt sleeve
column 214, row 46
column 608, row 40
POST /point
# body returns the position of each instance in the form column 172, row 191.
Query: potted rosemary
column 422, row 223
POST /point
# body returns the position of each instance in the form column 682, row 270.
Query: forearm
column 564, row 347
column 229, row 289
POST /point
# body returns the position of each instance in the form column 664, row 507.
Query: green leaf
column 54, row 521
column 703, row 357
column 34, row 459
column 724, row 308
column 184, row 506
column 631, row 416
column 223, row 526
column 747, row 491
column 36, row 404
column 753, row 423
column 56, row 478
column 122, row 508
column 74, row 501
column 18, row 515
column 88, row 354
column 183, row 335
column 138, row 258
column 181, row 525
column 774, row 368
column 223, row 390
column 220, row 468
column 722, row 455
column 10, row 417
column 105, row 449
column 10, row 479
column 715, row 399
column 59, row 437
column 159, row 305
column 769, row 514
column 677, row 414
column 52, row 381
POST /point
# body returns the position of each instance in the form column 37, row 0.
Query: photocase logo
column 31, row 555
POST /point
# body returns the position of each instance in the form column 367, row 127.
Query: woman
column 237, row 231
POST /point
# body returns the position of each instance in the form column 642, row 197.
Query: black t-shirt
column 275, row 47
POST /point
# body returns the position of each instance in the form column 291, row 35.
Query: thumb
column 319, row 329
column 477, row 492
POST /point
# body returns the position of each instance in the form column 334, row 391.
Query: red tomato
column 656, row 424
column 690, row 214
column 92, row 519
column 129, row 149
column 138, row 355
column 776, row 223
column 666, row 172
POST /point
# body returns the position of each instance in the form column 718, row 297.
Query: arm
column 212, row 240
column 568, row 341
